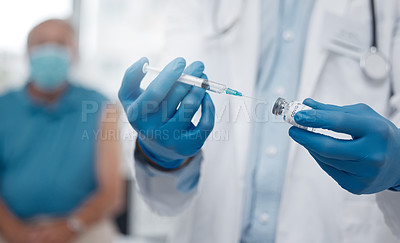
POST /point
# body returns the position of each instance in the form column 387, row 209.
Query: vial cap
column 278, row 106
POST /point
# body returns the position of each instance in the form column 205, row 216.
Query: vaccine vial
column 288, row 110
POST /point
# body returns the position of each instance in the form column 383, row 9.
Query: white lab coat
column 313, row 208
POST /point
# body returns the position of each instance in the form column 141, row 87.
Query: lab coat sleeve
column 167, row 193
column 389, row 201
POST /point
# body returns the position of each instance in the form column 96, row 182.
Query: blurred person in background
column 59, row 156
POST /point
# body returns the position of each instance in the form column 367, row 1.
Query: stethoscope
column 374, row 64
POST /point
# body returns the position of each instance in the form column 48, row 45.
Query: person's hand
column 368, row 163
column 55, row 232
column 162, row 114
column 21, row 233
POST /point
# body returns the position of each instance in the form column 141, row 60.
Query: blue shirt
column 47, row 152
column 284, row 27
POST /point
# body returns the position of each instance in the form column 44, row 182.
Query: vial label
column 290, row 111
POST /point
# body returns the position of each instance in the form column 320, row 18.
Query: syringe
column 199, row 82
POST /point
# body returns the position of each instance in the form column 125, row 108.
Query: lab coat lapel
column 315, row 55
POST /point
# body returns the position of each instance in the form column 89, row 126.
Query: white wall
column 114, row 34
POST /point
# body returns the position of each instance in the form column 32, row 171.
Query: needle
column 253, row 98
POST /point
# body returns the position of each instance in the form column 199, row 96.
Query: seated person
column 59, row 156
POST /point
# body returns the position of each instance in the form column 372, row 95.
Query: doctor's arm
column 167, row 155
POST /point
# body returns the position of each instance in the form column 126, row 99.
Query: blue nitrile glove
column 368, row 163
column 165, row 131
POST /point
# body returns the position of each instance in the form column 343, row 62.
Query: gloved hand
column 165, row 131
column 368, row 163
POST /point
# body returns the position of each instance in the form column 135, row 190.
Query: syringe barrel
column 202, row 83
column 216, row 87
column 192, row 80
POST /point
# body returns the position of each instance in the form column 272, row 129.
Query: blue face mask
column 50, row 66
